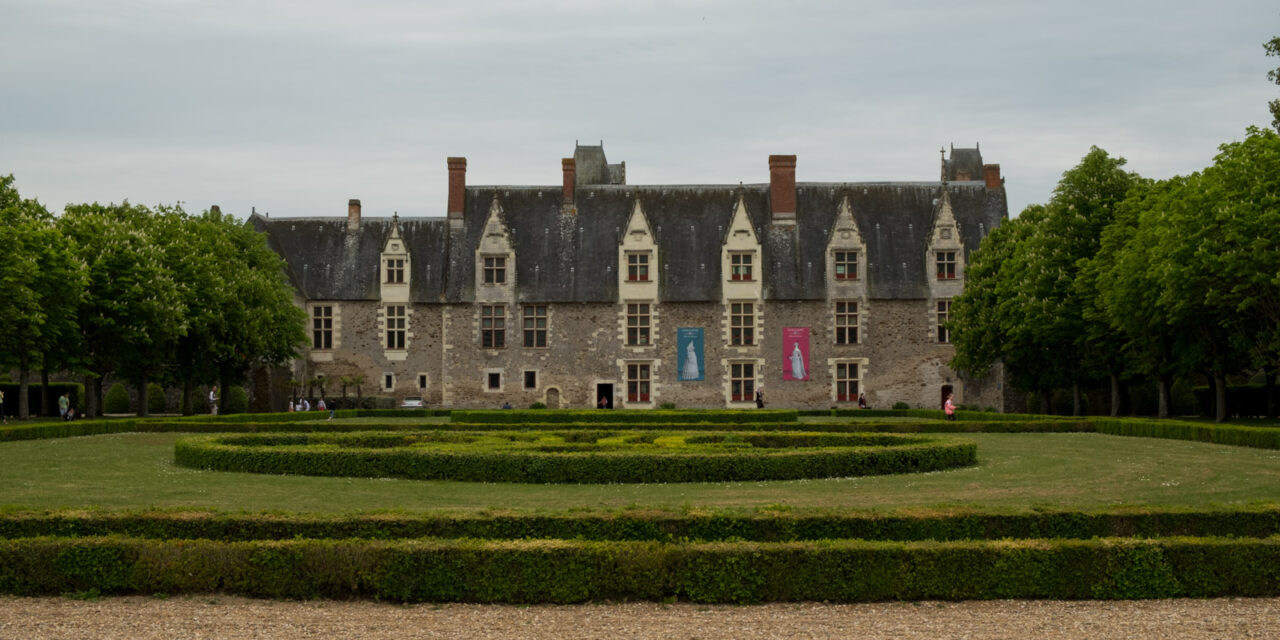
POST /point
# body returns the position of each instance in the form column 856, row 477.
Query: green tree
column 41, row 283
column 1273, row 49
column 132, row 313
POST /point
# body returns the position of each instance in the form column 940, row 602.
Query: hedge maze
column 694, row 555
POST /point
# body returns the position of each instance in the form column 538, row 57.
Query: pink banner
column 795, row 353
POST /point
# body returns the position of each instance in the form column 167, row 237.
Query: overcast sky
column 295, row 107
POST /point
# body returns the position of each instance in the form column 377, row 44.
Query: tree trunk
column 1077, row 403
column 1046, row 401
column 1115, row 396
column 187, row 409
column 1163, row 385
column 1220, row 397
column 144, row 410
column 24, row 403
column 44, row 393
column 90, row 398
column 1212, row 383
column 1270, row 381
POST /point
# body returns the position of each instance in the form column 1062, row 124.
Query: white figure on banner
column 690, row 363
column 797, row 363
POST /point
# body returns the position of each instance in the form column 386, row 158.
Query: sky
column 290, row 108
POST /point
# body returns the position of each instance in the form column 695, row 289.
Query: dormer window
column 495, row 270
column 395, row 270
column 740, row 266
column 638, row 267
column 846, row 264
column 946, row 265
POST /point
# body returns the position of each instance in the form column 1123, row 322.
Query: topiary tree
column 237, row 401
column 155, row 398
column 117, row 400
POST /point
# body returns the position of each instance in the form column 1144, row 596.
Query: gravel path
column 226, row 618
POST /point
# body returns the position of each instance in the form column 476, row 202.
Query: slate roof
column 572, row 257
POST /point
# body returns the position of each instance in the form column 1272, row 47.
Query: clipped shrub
column 537, row 405
column 901, row 406
column 236, row 401
column 155, row 398
column 117, row 400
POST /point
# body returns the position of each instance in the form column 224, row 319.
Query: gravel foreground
column 228, row 617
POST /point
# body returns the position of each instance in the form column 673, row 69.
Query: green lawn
column 1015, row 471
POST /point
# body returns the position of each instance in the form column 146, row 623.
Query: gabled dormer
column 394, row 266
column 740, row 262
column 637, row 259
column 946, row 250
column 846, row 256
column 495, row 259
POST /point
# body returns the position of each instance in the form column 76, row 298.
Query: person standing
column 3, row 416
column 949, row 407
column 63, row 403
column 760, row 397
column 862, row 401
column 213, row 400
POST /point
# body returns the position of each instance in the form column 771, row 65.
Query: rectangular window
column 740, row 266
column 493, row 326
column 637, row 383
column 846, row 263
column 388, row 381
column 944, row 312
column 322, row 327
column 846, row 323
column 637, row 267
column 637, row 325
column 495, row 270
column 395, row 270
column 742, row 324
column 742, row 380
column 422, row 382
column 396, row 321
column 495, row 381
column 531, row 379
column 535, row 325
column 946, row 265
column 846, row 382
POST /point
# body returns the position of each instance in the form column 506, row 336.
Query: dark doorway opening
column 946, row 391
column 604, row 396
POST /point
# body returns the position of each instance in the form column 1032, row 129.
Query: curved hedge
column 725, row 416
column 563, row 571
column 575, row 456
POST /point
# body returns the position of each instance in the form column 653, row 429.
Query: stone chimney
column 215, row 210
column 991, row 175
column 353, row 215
column 782, row 188
column 457, row 187
column 570, row 168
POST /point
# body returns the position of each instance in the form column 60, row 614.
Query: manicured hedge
column 657, row 526
column 558, row 571
column 1257, row 437
column 728, row 416
column 375, row 455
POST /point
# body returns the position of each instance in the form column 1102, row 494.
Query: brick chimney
column 457, row 187
column 782, row 188
column 353, row 215
column 570, row 172
column 991, row 175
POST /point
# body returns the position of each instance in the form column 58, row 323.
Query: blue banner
column 689, row 359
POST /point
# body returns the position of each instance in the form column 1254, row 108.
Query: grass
column 1015, row 471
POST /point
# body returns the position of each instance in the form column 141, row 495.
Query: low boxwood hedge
column 658, row 526
column 573, row 457
column 728, row 416
column 561, row 571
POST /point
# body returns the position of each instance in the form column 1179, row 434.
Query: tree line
column 143, row 294
column 1120, row 278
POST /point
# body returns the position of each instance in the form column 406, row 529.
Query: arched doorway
column 553, row 398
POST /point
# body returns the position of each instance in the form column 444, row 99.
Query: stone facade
column 565, row 295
